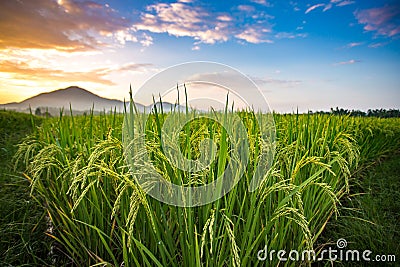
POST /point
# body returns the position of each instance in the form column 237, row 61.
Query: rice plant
column 101, row 216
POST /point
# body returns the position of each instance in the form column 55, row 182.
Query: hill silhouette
column 80, row 99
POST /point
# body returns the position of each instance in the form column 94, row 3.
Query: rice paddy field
column 97, row 214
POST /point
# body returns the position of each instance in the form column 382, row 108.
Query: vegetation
column 38, row 112
column 378, row 113
column 101, row 216
column 370, row 213
column 22, row 223
column 97, row 214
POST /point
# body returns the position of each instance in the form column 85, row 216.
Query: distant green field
column 99, row 215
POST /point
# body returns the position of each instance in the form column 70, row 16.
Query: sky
column 305, row 55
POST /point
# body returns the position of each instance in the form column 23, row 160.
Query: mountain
column 165, row 106
column 80, row 99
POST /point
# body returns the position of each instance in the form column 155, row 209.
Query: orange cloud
column 66, row 25
column 23, row 71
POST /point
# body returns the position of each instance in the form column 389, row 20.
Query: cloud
column 211, row 87
column 349, row 62
column 147, row 40
column 253, row 35
column 179, row 19
column 383, row 20
column 294, row 5
column 261, row 2
column 227, row 77
column 354, row 44
column 376, row 45
column 185, row 20
column 246, row 8
column 345, row 3
column 276, row 82
column 224, row 18
column 313, row 7
column 338, row 3
column 122, row 36
column 137, row 67
column 327, row 7
column 67, row 25
column 289, row 35
column 24, row 71
column 342, row 2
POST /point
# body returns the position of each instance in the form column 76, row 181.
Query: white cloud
column 345, row 3
column 376, row 45
column 327, row 7
column 261, row 2
column 294, row 5
column 224, row 18
column 338, row 3
column 122, row 36
column 276, row 82
column 289, row 35
column 146, row 40
column 246, row 8
column 349, row 62
column 354, row 44
column 179, row 19
column 185, row 20
column 253, row 35
column 130, row 66
column 313, row 7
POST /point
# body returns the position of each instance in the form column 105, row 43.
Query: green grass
column 22, row 223
column 370, row 216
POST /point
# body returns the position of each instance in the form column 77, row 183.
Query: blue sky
column 310, row 55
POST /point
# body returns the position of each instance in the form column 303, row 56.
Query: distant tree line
column 380, row 113
column 38, row 112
